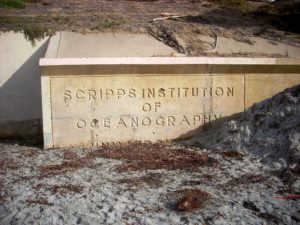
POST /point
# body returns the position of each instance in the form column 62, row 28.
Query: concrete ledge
column 167, row 65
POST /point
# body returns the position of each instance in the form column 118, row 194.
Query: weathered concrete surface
column 258, row 46
column 20, row 85
column 92, row 101
column 20, row 88
column 77, row 45
column 151, row 108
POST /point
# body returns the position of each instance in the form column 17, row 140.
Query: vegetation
column 18, row 4
column 35, row 32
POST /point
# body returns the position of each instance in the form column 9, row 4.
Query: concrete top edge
column 167, row 61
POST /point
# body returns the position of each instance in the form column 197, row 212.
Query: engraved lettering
column 67, row 96
column 106, row 122
column 160, row 121
column 204, row 92
column 156, row 106
column 120, row 92
column 146, row 107
column 146, row 121
column 161, row 92
column 171, row 120
column 206, row 119
column 81, row 123
column 219, row 91
column 92, row 94
column 94, row 123
column 101, row 94
column 184, row 120
column 132, row 93
column 218, row 116
column 229, row 91
column 197, row 118
column 172, row 92
column 80, row 94
column 109, row 92
column 151, row 93
column 195, row 92
column 134, row 122
column 185, row 91
column 122, row 123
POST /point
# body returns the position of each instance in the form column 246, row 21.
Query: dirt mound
column 269, row 129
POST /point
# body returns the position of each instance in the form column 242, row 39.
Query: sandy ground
column 162, row 183
column 110, row 186
column 250, row 175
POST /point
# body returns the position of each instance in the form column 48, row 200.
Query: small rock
column 139, row 209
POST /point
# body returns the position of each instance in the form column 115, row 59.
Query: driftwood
column 168, row 17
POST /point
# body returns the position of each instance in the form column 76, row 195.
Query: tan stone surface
column 93, row 101
column 47, row 112
column 262, row 86
column 90, row 110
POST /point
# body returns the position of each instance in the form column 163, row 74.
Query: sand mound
column 269, row 129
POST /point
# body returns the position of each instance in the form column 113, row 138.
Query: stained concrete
column 77, row 45
column 20, row 86
column 89, row 102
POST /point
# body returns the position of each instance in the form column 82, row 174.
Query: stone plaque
column 95, row 101
column 96, row 110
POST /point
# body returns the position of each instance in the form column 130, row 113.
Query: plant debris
column 154, row 157
column 40, row 201
column 152, row 179
column 190, row 199
column 69, row 155
column 267, row 216
column 246, row 179
column 232, row 154
column 66, row 166
column 63, row 188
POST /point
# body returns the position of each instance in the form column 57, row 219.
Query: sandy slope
column 78, row 186
column 250, row 177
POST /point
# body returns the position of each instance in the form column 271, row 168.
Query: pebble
column 139, row 209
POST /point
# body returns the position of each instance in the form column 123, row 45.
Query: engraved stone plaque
column 91, row 102
column 92, row 110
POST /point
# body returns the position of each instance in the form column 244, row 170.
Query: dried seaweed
column 153, row 157
column 189, row 199
column 40, row 201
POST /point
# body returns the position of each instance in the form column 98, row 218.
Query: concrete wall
column 20, row 86
column 20, row 81
column 93, row 101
